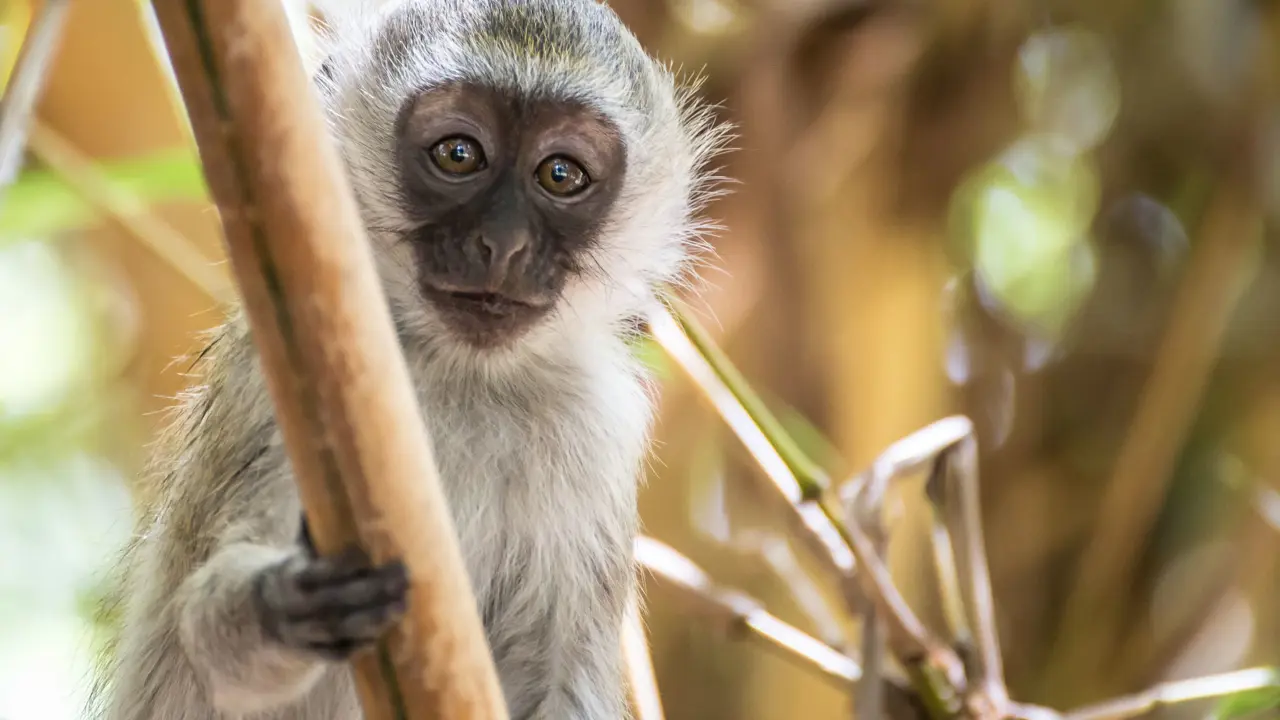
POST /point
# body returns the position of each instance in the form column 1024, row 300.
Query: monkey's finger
column 370, row 623
column 320, row 572
column 381, row 587
column 354, row 628
column 335, row 651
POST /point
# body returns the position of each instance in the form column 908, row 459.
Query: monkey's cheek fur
column 485, row 320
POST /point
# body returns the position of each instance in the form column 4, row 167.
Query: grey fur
column 540, row 445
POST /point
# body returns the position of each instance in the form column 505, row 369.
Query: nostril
column 486, row 248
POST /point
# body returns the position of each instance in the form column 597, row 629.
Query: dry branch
column 1178, row 691
column 39, row 48
column 948, row 449
column 936, row 670
column 818, row 532
column 126, row 211
column 743, row 615
column 343, row 398
column 642, row 682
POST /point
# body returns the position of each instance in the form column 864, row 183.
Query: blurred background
column 1057, row 218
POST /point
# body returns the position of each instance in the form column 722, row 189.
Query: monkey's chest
column 544, row 504
column 541, row 527
column 529, row 546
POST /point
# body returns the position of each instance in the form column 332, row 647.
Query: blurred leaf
column 651, row 354
column 1250, row 703
column 41, row 204
column 1022, row 223
column 812, row 441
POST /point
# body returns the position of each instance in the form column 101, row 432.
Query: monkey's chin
column 485, row 320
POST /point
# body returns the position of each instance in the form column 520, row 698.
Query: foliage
column 41, row 204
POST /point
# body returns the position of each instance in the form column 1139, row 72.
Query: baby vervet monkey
column 529, row 179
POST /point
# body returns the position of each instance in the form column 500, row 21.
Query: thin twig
column 950, row 447
column 742, row 615
column 811, row 478
column 960, row 474
column 868, row 488
column 642, row 684
column 944, row 561
column 936, row 670
column 127, row 212
column 691, row 347
column 774, row 550
column 869, row 700
column 1179, row 691
column 39, row 47
column 817, row 532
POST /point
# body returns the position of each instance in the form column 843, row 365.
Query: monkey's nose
column 502, row 252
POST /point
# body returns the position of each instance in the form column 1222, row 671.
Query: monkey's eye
column 561, row 176
column 458, row 155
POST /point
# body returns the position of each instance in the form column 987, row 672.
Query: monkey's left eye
column 561, row 176
column 458, row 156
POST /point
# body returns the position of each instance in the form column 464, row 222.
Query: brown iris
column 561, row 176
column 458, row 155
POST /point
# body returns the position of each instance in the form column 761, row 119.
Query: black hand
column 331, row 606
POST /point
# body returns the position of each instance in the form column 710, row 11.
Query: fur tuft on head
column 380, row 54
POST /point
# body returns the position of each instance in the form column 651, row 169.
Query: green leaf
column 808, row 437
column 648, row 351
column 40, row 204
column 1255, row 703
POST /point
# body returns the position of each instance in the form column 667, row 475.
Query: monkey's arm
column 260, row 623
column 222, row 631
column 226, row 573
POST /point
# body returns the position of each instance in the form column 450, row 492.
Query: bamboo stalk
column 342, row 392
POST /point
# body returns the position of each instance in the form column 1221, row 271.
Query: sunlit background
column 1057, row 218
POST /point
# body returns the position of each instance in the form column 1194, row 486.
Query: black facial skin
column 508, row 207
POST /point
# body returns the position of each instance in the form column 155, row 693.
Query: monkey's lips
column 485, row 318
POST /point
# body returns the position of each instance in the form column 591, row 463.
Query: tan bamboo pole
column 341, row 389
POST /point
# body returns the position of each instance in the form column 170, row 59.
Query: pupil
column 559, row 172
column 459, row 153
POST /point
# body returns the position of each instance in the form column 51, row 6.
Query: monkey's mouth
column 484, row 318
column 489, row 303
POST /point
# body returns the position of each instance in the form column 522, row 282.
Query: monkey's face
column 528, row 176
column 506, row 200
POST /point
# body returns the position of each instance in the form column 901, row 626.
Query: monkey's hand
column 330, row 606
column 260, row 624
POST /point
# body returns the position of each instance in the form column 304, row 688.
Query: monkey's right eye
column 458, row 156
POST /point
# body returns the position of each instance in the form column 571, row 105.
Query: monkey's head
column 527, row 173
